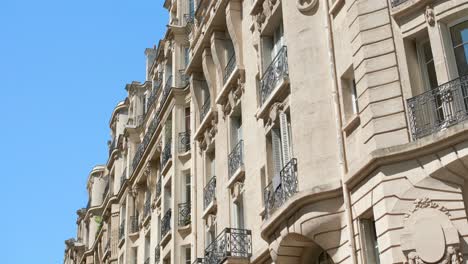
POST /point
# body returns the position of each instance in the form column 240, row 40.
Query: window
column 187, row 119
column 349, row 95
column 188, row 255
column 238, row 213
column 186, row 55
column 135, row 255
column 188, row 188
column 272, row 45
column 147, row 247
column 427, row 65
column 459, row 34
column 369, row 245
column 281, row 147
column 236, row 129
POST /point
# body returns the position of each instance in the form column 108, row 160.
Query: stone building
column 289, row 131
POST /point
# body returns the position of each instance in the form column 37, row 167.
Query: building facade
column 289, row 131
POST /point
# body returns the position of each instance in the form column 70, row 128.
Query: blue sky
column 63, row 67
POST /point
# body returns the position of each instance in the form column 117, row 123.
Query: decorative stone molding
column 134, row 190
column 234, row 96
column 430, row 16
column 306, row 5
column 209, row 132
column 440, row 245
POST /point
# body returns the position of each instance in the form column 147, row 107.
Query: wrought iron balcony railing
column 230, row 66
column 134, row 224
column 147, row 208
column 276, row 71
column 166, row 155
column 154, row 94
column 189, row 19
column 166, row 223
column 157, row 254
column 231, row 242
column 167, row 90
column 122, row 230
column 276, row 196
column 438, row 108
column 209, row 192
column 146, row 140
column 112, row 145
column 158, row 187
column 198, row 261
column 205, row 108
column 185, row 215
column 236, row 158
column 396, row 3
column 184, row 79
column 184, row 141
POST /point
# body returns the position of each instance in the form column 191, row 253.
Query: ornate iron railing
column 209, row 192
column 122, row 230
column 276, row 196
column 184, row 141
column 154, row 94
column 231, row 242
column 146, row 139
column 112, row 145
column 123, row 177
column 183, row 79
column 198, row 261
column 134, row 224
column 166, row 154
column 276, row 71
column 185, row 215
column 205, row 108
column 438, row 108
column 236, row 158
column 147, row 208
column 157, row 254
column 158, row 187
column 167, row 90
column 230, row 66
column 189, row 19
column 166, row 223
column 396, row 3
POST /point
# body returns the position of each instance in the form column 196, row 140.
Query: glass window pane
column 461, row 59
column 459, row 33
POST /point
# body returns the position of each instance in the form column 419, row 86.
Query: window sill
column 351, row 125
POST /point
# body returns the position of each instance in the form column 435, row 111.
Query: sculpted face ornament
column 306, row 5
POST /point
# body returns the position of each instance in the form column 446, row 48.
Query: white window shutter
column 285, row 144
column 277, row 159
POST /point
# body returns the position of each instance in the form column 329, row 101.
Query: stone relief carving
column 440, row 246
column 274, row 112
column 430, row 16
column 425, row 202
column 306, row 5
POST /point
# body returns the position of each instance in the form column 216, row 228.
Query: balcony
column 134, row 224
column 146, row 140
column 209, row 193
column 396, row 3
column 439, row 108
column 147, row 207
column 166, row 224
column 231, row 243
column 185, row 216
column 229, row 69
column 122, row 231
column 276, row 196
column 153, row 95
column 157, row 254
column 184, row 142
column 236, row 158
column 274, row 74
column 166, row 154
column 205, row 109
column 167, row 90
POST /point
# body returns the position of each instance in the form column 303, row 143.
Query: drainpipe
column 339, row 134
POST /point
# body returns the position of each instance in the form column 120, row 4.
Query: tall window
column 147, row 247
column 188, row 255
column 238, row 213
column 188, row 188
column 369, row 245
column 349, row 94
column 236, row 130
column 459, row 34
column 187, row 118
column 281, row 151
column 427, row 63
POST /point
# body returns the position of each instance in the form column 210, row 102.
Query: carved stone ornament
column 134, row 190
column 274, row 112
column 306, row 5
column 429, row 236
column 430, row 16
